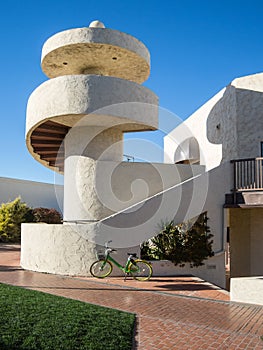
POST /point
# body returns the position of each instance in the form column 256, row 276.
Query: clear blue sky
column 197, row 48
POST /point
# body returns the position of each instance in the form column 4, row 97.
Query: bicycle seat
column 133, row 254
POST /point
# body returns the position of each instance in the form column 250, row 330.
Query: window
column 261, row 148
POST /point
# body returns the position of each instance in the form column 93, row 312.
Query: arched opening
column 187, row 152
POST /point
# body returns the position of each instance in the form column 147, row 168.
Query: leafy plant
column 12, row 214
column 49, row 216
column 189, row 242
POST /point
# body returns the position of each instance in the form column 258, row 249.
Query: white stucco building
column 75, row 125
column 226, row 136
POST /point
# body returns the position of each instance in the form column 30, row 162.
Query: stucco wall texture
column 226, row 127
column 95, row 92
column 116, row 54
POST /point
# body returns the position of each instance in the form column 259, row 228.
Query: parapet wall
column 35, row 194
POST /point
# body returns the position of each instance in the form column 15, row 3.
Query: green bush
column 49, row 216
column 189, row 242
column 12, row 214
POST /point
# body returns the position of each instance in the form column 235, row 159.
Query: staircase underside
column 47, row 141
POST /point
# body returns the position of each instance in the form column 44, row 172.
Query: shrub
column 187, row 242
column 12, row 214
column 49, row 216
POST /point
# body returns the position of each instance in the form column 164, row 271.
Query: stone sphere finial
column 96, row 24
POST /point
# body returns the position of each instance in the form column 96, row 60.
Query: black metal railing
column 248, row 174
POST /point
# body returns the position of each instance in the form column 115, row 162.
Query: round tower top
column 96, row 24
column 93, row 51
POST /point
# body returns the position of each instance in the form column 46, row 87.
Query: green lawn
column 34, row 320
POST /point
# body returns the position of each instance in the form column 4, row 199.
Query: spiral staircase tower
column 75, row 124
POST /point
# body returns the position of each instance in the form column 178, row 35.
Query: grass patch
column 32, row 320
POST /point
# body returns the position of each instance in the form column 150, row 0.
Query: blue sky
column 197, row 48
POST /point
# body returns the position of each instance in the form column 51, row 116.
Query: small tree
column 12, row 214
column 187, row 242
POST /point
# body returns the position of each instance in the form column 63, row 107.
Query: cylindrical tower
column 75, row 125
column 77, row 118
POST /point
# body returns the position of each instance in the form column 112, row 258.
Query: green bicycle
column 139, row 269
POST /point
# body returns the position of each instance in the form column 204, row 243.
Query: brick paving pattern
column 181, row 285
column 167, row 318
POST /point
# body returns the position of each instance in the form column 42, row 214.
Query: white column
column 84, row 146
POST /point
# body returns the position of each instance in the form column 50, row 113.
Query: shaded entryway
column 246, row 242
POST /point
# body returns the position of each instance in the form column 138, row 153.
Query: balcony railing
column 248, row 174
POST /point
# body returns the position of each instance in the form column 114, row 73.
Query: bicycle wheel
column 101, row 269
column 141, row 270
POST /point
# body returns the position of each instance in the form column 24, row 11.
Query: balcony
column 247, row 183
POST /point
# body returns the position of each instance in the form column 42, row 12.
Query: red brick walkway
column 167, row 317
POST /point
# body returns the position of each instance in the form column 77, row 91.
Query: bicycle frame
column 125, row 269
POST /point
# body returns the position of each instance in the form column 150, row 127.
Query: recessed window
column 187, row 152
column 261, row 147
